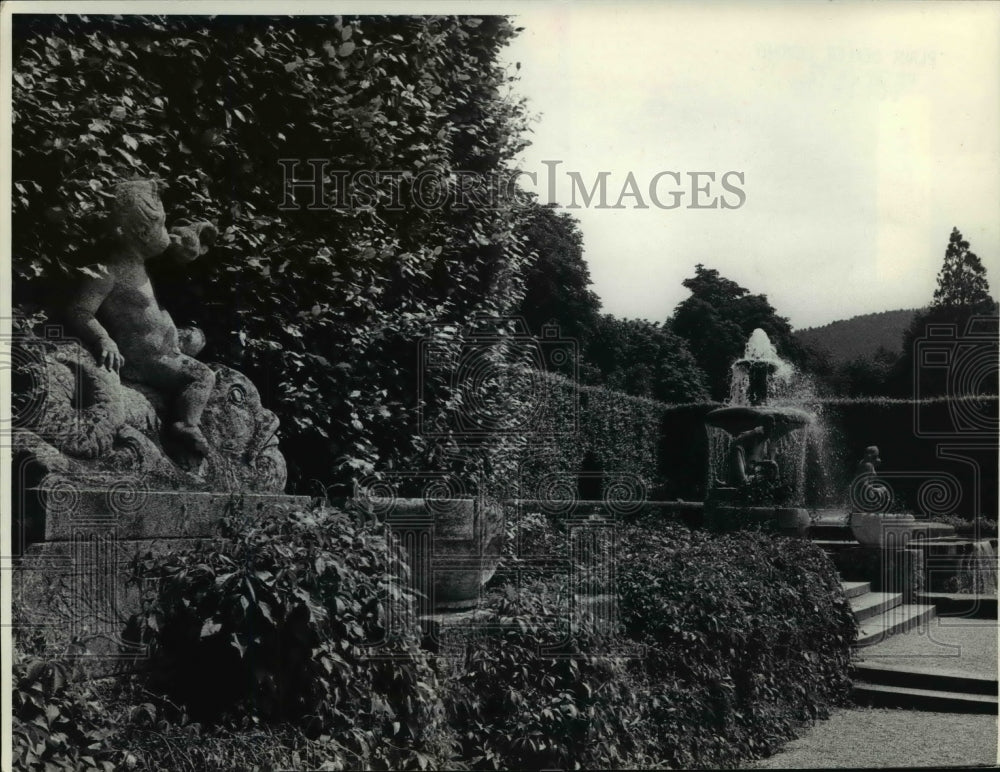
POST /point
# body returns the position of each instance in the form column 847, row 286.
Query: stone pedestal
column 72, row 584
column 453, row 546
column 888, row 570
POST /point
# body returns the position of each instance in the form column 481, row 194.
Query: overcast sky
column 864, row 133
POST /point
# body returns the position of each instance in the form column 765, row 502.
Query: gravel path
column 946, row 643
column 860, row 737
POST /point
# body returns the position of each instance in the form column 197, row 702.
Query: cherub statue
column 866, row 485
column 752, row 453
column 118, row 317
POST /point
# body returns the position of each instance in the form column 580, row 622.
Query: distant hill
column 861, row 335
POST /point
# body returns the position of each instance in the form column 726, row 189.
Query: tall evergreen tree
column 962, row 293
column 557, row 284
column 962, row 279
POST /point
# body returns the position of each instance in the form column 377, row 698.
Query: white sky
column 865, row 132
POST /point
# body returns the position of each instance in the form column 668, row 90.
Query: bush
column 517, row 705
column 303, row 618
column 744, row 636
column 58, row 721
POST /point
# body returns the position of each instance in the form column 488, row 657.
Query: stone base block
column 887, row 570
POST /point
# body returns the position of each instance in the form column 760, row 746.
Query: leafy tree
column 865, row 376
column 717, row 320
column 323, row 303
column 557, row 284
column 644, row 359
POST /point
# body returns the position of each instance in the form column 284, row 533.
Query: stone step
column 872, row 604
column 882, row 696
column 896, row 620
column 970, row 606
column 854, row 589
column 937, row 679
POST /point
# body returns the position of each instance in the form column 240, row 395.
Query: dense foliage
column 323, row 306
column 305, row 619
column 58, row 722
column 557, row 285
column 276, row 649
column 643, row 359
column 745, row 635
column 726, row 646
column 530, row 696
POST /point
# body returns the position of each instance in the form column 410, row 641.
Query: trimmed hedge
column 315, row 303
column 745, row 636
column 727, row 645
column 575, row 441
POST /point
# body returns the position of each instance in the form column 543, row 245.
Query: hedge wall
column 578, row 441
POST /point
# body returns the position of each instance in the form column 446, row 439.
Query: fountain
column 757, row 449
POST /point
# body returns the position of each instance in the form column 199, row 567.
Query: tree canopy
column 718, row 318
column 644, row 359
column 557, row 283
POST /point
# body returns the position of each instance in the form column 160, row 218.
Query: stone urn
column 792, row 521
column 883, row 529
column 453, row 546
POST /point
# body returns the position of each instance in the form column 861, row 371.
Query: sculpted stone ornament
column 89, row 425
column 133, row 399
column 118, row 317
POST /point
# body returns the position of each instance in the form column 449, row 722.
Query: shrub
column 744, row 636
column 58, row 721
column 982, row 527
column 302, row 618
column 516, row 705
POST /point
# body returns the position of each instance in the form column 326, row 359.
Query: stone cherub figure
column 866, row 484
column 118, row 317
column 752, row 453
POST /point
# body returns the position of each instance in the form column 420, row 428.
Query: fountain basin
column 788, row 521
column 742, row 418
column 893, row 530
